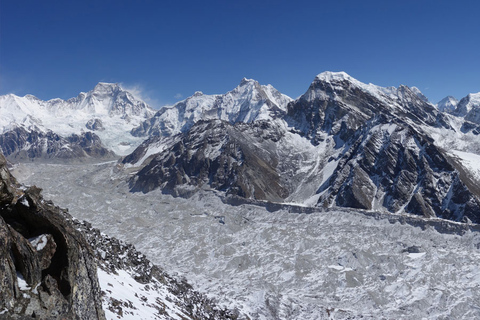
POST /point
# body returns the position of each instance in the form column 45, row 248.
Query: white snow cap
column 334, row 76
column 474, row 98
column 105, row 85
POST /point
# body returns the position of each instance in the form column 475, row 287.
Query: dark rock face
column 47, row 269
column 215, row 153
column 95, row 125
column 397, row 168
column 385, row 162
column 341, row 108
column 21, row 144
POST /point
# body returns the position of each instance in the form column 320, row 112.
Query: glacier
column 331, row 264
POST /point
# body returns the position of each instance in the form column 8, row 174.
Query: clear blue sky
column 170, row 49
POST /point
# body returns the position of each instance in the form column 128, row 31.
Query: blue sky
column 167, row 50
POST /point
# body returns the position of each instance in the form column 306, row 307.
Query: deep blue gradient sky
column 170, row 49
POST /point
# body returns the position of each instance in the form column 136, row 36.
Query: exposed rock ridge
column 23, row 144
column 47, row 269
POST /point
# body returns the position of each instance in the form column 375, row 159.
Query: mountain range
column 342, row 148
column 342, row 143
column 93, row 124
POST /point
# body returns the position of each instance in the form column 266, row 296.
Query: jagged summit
column 467, row 104
column 106, row 85
column 334, row 76
column 340, row 78
column 447, row 104
column 419, row 93
column 331, row 83
column 249, row 101
column 245, row 81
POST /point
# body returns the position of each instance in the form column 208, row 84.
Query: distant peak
column 448, row 99
column 246, row 81
column 103, row 86
column 447, row 104
column 333, row 76
column 474, row 96
column 31, row 97
column 198, row 94
column 107, row 84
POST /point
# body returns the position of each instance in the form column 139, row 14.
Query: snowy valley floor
column 277, row 265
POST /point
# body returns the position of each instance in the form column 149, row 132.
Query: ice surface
column 278, row 265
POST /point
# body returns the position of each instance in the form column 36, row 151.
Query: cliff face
column 47, row 269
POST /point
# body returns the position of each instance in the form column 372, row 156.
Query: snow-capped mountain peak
column 330, row 83
column 329, row 76
column 248, row 102
column 338, row 85
column 468, row 103
column 469, row 109
column 246, row 81
column 106, row 87
column 108, row 104
column 447, row 104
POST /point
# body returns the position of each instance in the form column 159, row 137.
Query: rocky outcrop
column 95, row 125
column 23, row 144
column 48, row 269
column 218, row 155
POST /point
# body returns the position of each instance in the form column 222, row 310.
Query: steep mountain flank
column 369, row 147
column 468, row 109
column 236, row 159
column 338, row 105
column 133, row 287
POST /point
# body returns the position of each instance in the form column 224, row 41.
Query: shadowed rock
column 47, row 269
